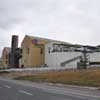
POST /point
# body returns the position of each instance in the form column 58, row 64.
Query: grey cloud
column 75, row 21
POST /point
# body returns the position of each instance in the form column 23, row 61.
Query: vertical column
column 14, row 46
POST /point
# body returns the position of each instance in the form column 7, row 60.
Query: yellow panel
column 34, row 58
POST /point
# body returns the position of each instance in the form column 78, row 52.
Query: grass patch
column 82, row 78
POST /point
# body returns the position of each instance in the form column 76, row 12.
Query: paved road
column 15, row 90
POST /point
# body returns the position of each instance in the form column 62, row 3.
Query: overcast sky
column 74, row 21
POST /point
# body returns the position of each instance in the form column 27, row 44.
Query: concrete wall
column 94, row 57
column 56, row 58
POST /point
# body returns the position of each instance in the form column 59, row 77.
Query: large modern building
column 42, row 52
column 39, row 52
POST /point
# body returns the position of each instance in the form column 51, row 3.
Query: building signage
column 35, row 41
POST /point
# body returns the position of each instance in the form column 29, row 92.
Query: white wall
column 56, row 58
column 95, row 57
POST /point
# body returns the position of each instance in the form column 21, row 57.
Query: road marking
column 7, row 86
column 22, row 91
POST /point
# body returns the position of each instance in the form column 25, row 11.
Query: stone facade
column 5, row 56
